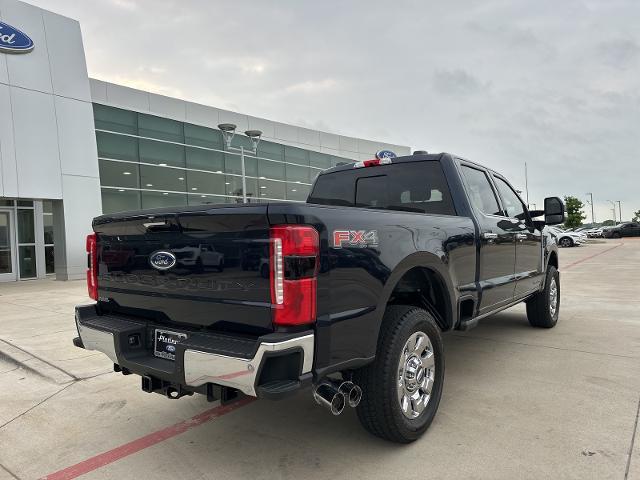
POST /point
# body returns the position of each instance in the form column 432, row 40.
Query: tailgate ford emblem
column 161, row 260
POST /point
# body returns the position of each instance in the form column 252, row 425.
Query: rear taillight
column 295, row 252
column 92, row 264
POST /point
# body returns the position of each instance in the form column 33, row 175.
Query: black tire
column 616, row 235
column 566, row 242
column 539, row 306
column 379, row 411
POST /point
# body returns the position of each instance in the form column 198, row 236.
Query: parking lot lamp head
column 228, row 131
column 254, row 135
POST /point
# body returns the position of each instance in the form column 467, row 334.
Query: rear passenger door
column 528, row 240
column 497, row 241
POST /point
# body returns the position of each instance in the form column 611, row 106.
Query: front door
column 496, row 273
column 7, row 250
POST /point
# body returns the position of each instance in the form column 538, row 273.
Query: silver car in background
column 568, row 238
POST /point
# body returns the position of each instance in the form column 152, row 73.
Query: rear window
column 411, row 187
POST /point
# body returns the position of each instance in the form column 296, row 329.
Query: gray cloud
column 619, row 53
column 554, row 84
column 456, row 83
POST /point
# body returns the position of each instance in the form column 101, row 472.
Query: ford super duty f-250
column 348, row 293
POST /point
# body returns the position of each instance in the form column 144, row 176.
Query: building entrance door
column 7, row 247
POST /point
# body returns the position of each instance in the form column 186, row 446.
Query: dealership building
column 73, row 147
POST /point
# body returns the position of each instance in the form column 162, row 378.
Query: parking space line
column 142, row 443
column 591, row 256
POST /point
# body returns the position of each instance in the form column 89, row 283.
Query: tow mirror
column 553, row 211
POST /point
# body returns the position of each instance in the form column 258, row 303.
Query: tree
column 575, row 216
column 636, row 216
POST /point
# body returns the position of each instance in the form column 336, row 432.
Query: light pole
column 613, row 204
column 228, row 132
column 593, row 218
column 619, row 209
column 526, row 182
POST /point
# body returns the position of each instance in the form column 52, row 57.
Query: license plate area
column 165, row 341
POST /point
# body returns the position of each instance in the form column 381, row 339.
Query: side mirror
column 553, row 211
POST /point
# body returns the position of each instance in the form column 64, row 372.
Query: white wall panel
column 8, row 172
column 76, row 137
column 288, row 133
column 126, row 97
column 81, row 204
column 167, row 107
column 98, row 90
column 202, row 115
column 309, row 137
column 267, row 127
column 238, row 119
column 36, row 144
column 368, row 147
column 66, row 57
column 329, row 140
column 29, row 70
column 348, row 143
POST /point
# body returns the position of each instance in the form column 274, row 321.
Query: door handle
column 489, row 236
column 521, row 236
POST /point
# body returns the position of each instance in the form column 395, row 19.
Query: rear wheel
column 403, row 386
column 544, row 307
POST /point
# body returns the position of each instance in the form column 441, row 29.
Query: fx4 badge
column 355, row 238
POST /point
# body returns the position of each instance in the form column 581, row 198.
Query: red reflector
column 92, row 271
column 293, row 301
column 299, row 307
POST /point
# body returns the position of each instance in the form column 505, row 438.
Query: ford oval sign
column 162, row 260
column 13, row 40
column 385, row 154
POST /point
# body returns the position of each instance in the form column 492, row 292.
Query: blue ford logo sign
column 385, row 154
column 171, row 348
column 13, row 40
column 162, row 260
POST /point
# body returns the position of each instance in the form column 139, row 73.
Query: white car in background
column 594, row 232
column 566, row 238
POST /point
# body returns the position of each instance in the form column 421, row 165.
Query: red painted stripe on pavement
column 147, row 441
column 591, row 256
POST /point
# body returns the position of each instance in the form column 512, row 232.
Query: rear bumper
column 256, row 367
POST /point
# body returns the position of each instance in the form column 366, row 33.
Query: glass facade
column 26, row 239
column 148, row 161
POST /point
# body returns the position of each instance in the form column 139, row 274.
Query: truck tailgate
column 219, row 266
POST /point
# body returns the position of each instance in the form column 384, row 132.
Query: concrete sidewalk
column 518, row 402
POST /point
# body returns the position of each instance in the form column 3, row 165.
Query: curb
column 34, row 365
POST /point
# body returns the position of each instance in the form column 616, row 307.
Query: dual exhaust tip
column 336, row 395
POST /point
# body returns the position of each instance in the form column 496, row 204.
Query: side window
column 512, row 203
column 480, row 191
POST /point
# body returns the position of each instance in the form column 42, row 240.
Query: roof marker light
column 373, row 162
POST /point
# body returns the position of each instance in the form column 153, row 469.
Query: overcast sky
column 553, row 83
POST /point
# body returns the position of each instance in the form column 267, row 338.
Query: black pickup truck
column 348, row 293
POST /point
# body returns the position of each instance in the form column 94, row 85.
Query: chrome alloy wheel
column 416, row 373
column 553, row 297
